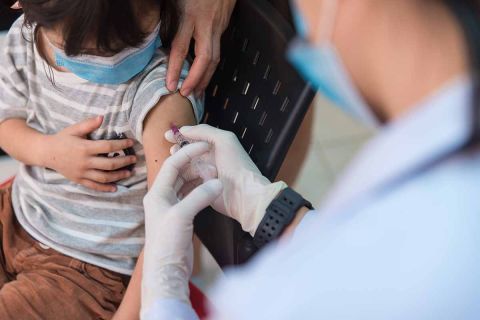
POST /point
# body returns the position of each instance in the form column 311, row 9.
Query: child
column 82, row 99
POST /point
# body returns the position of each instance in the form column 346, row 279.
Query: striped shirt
column 104, row 229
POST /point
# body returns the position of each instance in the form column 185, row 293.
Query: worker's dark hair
column 112, row 24
column 468, row 15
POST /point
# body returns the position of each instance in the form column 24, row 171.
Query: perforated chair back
column 258, row 95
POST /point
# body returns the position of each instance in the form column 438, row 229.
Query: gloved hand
column 246, row 192
column 169, row 229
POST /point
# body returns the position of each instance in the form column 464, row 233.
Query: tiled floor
column 336, row 139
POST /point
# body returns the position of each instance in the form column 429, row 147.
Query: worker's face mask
column 116, row 69
column 320, row 64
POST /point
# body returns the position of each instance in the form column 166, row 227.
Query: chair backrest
column 7, row 17
column 258, row 95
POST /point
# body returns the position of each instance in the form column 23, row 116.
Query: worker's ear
column 16, row 6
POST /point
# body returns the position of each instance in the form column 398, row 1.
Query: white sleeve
column 171, row 309
column 393, row 261
column 306, row 222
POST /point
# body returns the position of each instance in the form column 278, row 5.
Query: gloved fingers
column 188, row 172
column 179, row 184
column 171, row 168
column 205, row 132
column 174, row 148
column 201, row 132
column 200, row 198
column 208, row 157
column 188, row 186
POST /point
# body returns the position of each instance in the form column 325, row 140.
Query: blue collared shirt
column 398, row 237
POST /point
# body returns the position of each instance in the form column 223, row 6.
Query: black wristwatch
column 280, row 213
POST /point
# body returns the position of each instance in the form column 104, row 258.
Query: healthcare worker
column 398, row 237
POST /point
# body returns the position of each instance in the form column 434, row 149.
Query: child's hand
column 70, row 153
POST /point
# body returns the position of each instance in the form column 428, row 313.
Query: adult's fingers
column 174, row 149
column 105, row 177
column 168, row 174
column 202, row 62
column 200, row 198
column 108, row 146
column 201, row 132
column 85, row 127
column 205, row 80
column 110, row 164
column 98, row 186
column 178, row 53
column 188, row 186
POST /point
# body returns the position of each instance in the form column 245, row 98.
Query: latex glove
column 169, row 229
column 204, row 21
column 246, row 192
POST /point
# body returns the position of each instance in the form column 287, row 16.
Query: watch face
column 121, row 153
column 116, row 154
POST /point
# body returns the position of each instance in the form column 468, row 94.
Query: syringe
column 205, row 170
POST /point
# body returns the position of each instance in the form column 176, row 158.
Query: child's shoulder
column 18, row 43
column 156, row 71
column 153, row 76
column 19, row 30
column 156, row 67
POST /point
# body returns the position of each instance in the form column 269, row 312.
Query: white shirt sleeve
column 169, row 309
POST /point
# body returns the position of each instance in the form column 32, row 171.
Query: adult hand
column 169, row 229
column 204, row 21
column 71, row 154
column 246, row 192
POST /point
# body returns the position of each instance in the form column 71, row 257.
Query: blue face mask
column 321, row 65
column 113, row 70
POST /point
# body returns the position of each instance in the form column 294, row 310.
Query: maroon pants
column 37, row 282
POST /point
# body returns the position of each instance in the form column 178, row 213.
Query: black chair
column 258, row 95
column 7, row 16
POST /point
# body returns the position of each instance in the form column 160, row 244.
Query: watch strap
column 280, row 214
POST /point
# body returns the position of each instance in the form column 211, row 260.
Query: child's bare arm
column 22, row 142
column 68, row 152
column 172, row 108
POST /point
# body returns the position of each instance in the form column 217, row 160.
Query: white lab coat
column 398, row 238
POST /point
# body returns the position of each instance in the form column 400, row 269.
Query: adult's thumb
column 85, row 127
column 200, row 198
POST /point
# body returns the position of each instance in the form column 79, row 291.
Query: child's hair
column 113, row 24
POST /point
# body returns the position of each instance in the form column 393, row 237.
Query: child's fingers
column 98, row 186
column 106, row 176
column 111, row 164
column 85, row 127
column 108, row 146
